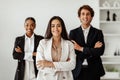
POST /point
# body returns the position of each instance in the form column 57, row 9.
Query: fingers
column 77, row 46
column 73, row 42
column 42, row 64
column 18, row 49
column 68, row 59
column 39, row 64
column 34, row 53
column 98, row 44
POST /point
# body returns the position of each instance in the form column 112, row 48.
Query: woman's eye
column 32, row 25
column 52, row 26
column 58, row 25
column 26, row 25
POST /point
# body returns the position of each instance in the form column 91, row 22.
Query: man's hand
column 98, row 44
column 76, row 46
column 34, row 53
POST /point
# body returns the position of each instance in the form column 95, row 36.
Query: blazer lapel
column 48, row 50
column 90, row 34
column 64, row 52
column 21, row 42
column 36, row 42
column 80, row 33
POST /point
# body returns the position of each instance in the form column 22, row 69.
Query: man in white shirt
column 89, row 46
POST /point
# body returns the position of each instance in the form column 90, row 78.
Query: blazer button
column 63, row 77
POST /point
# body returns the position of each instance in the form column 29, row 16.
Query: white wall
column 13, row 14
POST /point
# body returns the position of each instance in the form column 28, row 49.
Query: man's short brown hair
column 87, row 7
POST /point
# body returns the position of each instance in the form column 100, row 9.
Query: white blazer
column 62, row 70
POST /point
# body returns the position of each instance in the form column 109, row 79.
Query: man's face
column 85, row 17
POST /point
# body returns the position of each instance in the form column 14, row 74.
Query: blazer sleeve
column 72, row 36
column 40, row 56
column 40, row 53
column 67, row 65
column 96, row 51
column 17, row 55
column 59, row 66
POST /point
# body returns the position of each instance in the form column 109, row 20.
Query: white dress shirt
column 29, row 46
column 29, row 64
column 85, row 32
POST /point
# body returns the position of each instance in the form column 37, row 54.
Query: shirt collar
column 32, row 37
column 87, row 29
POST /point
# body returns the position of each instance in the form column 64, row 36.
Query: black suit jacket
column 20, row 41
column 89, row 52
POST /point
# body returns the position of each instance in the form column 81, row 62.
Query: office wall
column 13, row 14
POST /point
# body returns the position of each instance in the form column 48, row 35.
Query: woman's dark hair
column 30, row 18
column 64, row 33
column 87, row 7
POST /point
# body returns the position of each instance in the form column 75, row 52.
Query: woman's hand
column 44, row 63
column 18, row 49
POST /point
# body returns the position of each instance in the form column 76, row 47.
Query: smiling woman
column 29, row 25
column 55, row 54
column 56, row 28
column 25, row 52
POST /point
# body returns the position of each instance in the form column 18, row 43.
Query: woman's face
column 56, row 28
column 29, row 27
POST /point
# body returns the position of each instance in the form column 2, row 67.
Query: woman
column 55, row 54
column 25, row 52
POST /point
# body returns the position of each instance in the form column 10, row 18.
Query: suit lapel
column 48, row 50
column 90, row 34
column 80, row 33
column 36, row 42
column 21, row 42
column 64, row 52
